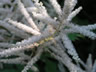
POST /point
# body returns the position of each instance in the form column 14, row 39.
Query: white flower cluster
column 26, row 25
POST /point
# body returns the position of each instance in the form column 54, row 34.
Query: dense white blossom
column 31, row 26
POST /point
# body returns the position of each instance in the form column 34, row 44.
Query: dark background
column 84, row 46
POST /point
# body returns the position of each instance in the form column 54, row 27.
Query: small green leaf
column 74, row 36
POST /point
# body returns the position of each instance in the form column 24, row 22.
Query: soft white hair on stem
column 2, row 38
column 3, row 10
column 6, row 45
column 69, row 46
column 72, row 67
column 89, row 27
column 34, row 39
column 94, row 67
column 89, row 63
column 28, row 3
column 85, row 32
column 13, row 61
column 68, row 7
column 33, row 60
column 14, row 30
column 26, row 15
column 5, row 1
column 45, row 19
column 73, row 14
column 24, row 27
column 56, row 6
column 10, row 51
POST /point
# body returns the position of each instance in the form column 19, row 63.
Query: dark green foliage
column 46, row 64
column 74, row 36
column 11, row 68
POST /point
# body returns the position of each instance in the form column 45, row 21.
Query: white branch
column 26, row 15
column 24, row 27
